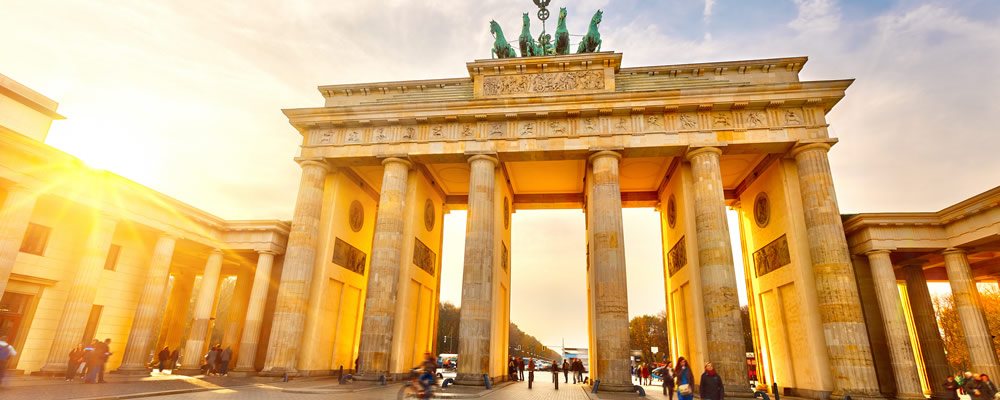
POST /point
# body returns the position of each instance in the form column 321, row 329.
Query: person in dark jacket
column 565, row 368
column 986, row 388
column 174, row 356
column 520, row 368
column 75, row 359
column 952, row 387
column 668, row 380
column 163, row 357
column 711, row 384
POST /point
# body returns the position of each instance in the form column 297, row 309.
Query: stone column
column 476, row 315
column 379, row 317
column 175, row 317
column 607, row 241
column 202, row 314
column 150, row 301
column 970, row 312
column 904, row 366
column 723, row 323
column 852, row 366
column 255, row 311
column 289, row 316
column 15, row 213
column 928, row 333
column 73, row 321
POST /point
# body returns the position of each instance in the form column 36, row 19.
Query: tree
column 447, row 340
column 448, row 335
column 957, row 351
column 649, row 331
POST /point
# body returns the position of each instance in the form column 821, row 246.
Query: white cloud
column 707, row 12
column 816, row 15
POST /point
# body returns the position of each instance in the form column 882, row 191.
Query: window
column 112, row 261
column 35, row 239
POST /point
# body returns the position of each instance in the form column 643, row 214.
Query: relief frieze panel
column 552, row 82
column 772, row 256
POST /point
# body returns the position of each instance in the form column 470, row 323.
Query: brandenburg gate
column 383, row 162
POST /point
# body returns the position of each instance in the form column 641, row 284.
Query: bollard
column 555, row 378
column 284, row 378
column 345, row 378
column 596, row 384
column 637, row 388
column 486, row 378
column 447, row 382
column 381, row 379
column 340, row 374
column 531, row 378
column 774, row 388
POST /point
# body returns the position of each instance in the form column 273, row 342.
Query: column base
column 618, row 388
column 279, row 372
column 471, row 380
column 187, row 371
column 132, row 371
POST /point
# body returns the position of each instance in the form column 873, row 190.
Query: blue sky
column 185, row 97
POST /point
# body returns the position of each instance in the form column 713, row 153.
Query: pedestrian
column 968, row 383
column 6, row 353
column 565, row 368
column 668, row 380
column 579, row 370
column 103, row 353
column 555, row 373
column 520, row 368
column 218, row 358
column 163, row 357
column 645, row 378
column 952, row 387
column 572, row 368
column 685, row 380
column 226, row 356
column 711, row 384
column 87, row 357
column 174, row 355
column 210, row 361
column 75, row 359
column 531, row 371
column 512, row 369
column 987, row 390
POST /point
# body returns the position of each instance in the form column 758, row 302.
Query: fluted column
column 928, row 333
column 80, row 300
column 607, row 241
column 289, row 317
column 723, row 323
column 150, row 301
column 852, row 366
column 202, row 313
column 15, row 213
column 379, row 316
column 904, row 366
column 476, row 315
column 255, row 311
column 970, row 313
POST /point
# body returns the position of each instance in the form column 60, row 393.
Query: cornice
column 984, row 201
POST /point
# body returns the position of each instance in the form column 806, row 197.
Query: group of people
column 576, row 367
column 217, row 361
column 88, row 362
column 977, row 386
column 681, row 378
column 166, row 358
column 643, row 373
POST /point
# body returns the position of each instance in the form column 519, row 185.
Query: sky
column 185, row 97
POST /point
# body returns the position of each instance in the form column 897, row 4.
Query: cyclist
column 427, row 378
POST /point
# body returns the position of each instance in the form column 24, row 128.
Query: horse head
column 562, row 14
column 597, row 17
column 526, row 21
column 494, row 28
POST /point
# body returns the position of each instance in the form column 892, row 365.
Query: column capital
column 391, row 160
column 803, row 147
column 952, row 250
column 913, row 262
column 692, row 153
column 878, row 251
column 313, row 162
column 271, row 252
column 486, row 157
column 169, row 235
column 604, row 153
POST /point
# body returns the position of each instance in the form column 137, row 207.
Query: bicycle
column 413, row 388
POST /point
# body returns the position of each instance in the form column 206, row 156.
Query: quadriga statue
column 591, row 42
column 501, row 49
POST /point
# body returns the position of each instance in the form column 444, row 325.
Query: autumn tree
column 649, row 331
column 956, row 349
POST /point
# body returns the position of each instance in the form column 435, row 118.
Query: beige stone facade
column 382, row 163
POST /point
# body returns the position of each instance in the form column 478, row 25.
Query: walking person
column 685, row 380
column 174, row 355
column 711, row 384
column 520, row 368
column 103, row 354
column 218, row 358
column 75, row 360
column 6, row 353
column 565, row 368
column 225, row 357
column 645, row 377
column 531, row 371
column 210, row 361
column 952, row 387
column 987, row 390
column 163, row 357
column 512, row 369
column 668, row 380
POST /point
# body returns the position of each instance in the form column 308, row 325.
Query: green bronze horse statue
column 528, row 46
column 562, row 34
column 591, row 42
column 501, row 49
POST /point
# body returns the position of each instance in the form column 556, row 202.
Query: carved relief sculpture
column 528, row 129
column 502, row 85
column 688, row 121
column 755, row 119
column 792, row 118
column 409, row 132
column 557, row 127
column 467, row 131
column 622, row 125
column 589, row 125
column 653, row 122
column 721, row 120
column 496, row 129
column 437, row 131
column 354, row 136
column 327, row 136
column 380, row 135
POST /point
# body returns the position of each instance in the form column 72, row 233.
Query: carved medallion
column 762, row 209
column 671, row 212
column 356, row 216
column 506, row 213
column 429, row 215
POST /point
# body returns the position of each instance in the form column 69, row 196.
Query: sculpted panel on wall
column 502, row 85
